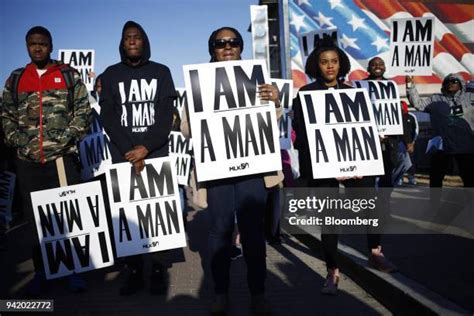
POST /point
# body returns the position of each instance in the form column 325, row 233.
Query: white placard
column 82, row 60
column 385, row 99
column 146, row 209
column 411, row 47
column 342, row 133
column 180, row 149
column 285, row 91
column 234, row 132
column 72, row 227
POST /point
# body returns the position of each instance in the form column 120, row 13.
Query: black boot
column 159, row 281
column 133, row 284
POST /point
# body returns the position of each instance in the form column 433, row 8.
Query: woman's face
column 329, row 66
column 226, row 46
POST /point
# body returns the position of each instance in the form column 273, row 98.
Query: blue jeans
column 245, row 197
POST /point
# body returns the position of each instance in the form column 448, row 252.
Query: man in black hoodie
column 137, row 112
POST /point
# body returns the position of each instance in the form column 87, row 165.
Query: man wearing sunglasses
column 452, row 119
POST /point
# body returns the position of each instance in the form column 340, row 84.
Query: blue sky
column 178, row 29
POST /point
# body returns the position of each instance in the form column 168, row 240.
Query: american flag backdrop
column 364, row 31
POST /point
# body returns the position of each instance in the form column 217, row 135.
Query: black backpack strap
column 68, row 75
column 14, row 81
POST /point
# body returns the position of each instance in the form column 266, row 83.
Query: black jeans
column 330, row 239
column 245, row 198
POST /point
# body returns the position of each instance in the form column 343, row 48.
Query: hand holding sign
column 138, row 153
column 268, row 92
column 139, row 165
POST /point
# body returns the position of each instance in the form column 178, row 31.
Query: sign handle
column 61, row 172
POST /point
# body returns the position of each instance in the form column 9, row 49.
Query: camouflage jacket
column 43, row 126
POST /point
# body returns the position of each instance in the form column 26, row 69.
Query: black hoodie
column 137, row 103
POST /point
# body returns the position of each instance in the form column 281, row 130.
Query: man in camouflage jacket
column 44, row 115
column 42, row 125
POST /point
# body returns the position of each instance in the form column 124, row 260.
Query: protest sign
column 82, row 60
column 72, row 229
column 180, row 102
column 309, row 40
column 180, row 148
column 385, row 99
column 285, row 91
column 7, row 191
column 94, row 149
column 234, row 132
column 342, row 134
column 145, row 208
column 412, row 47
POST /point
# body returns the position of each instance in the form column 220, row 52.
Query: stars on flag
column 380, row 43
column 300, row 2
column 357, row 23
column 335, row 3
column 347, row 41
column 323, row 20
column 298, row 21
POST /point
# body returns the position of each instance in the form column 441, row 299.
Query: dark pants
column 245, row 197
column 385, row 180
column 439, row 167
column 273, row 214
column 159, row 261
column 329, row 239
column 33, row 177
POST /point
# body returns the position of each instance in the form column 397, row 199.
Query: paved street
column 295, row 276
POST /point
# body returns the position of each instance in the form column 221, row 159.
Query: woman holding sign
column 243, row 196
column 329, row 65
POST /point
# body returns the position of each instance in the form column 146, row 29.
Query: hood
column 449, row 77
column 146, row 43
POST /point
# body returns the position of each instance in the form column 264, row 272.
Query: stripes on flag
column 364, row 30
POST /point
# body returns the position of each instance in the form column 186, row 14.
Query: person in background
column 452, row 119
column 406, row 147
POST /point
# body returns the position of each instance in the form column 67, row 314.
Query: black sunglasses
column 454, row 80
column 222, row 43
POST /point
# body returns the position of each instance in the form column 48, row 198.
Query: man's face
column 133, row 43
column 39, row 48
column 377, row 67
